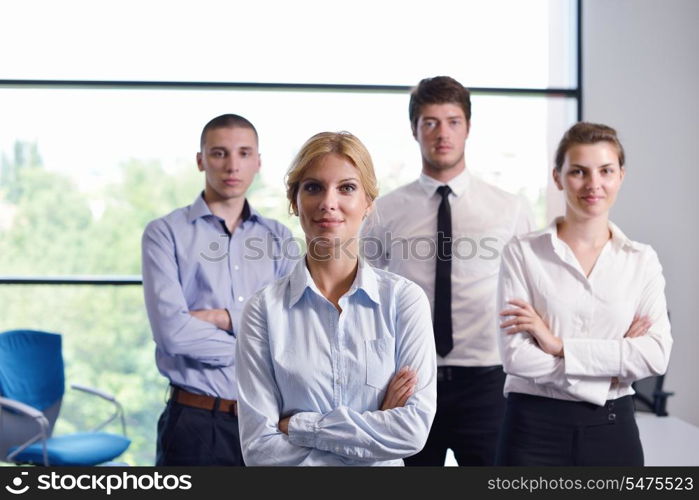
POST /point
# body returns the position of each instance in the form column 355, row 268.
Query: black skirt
column 541, row 431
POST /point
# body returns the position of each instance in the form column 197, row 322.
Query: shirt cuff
column 557, row 377
column 592, row 357
column 303, row 427
column 593, row 390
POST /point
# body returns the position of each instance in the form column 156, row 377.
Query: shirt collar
column 458, row 184
column 249, row 213
column 366, row 281
column 300, row 279
column 619, row 239
column 199, row 208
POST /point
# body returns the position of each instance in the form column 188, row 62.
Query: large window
column 493, row 43
column 100, row 116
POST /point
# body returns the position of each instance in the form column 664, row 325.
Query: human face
column 591, row 178
column 230, row 161
column 331, row 202
column 441, row 131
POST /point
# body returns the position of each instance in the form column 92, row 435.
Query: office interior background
column 102, row 104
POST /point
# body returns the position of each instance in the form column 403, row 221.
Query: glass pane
column 107, row 345
column 85, row 170
column 498, row 43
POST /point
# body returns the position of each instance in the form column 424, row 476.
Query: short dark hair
column 587, row 133
column 438, row 90
column 226, row 121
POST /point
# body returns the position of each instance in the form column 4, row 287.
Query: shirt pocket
column 380, row 362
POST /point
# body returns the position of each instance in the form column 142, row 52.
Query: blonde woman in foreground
column 337, row 360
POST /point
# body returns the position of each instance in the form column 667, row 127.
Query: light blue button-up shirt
column 190, row 261
column 297, row 355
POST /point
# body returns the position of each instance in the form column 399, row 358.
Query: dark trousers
column 546, row 431
column 192, row 436
column 470, row 408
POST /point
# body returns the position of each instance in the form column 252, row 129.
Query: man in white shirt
column 445, row 231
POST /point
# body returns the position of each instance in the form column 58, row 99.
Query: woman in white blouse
column 583, row 315
column 336, row 362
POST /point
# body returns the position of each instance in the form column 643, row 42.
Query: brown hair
column 341, row 143
column 438, row 90
column 225, row 121
column 587, row 133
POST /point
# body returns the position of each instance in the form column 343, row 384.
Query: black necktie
column 442, row 283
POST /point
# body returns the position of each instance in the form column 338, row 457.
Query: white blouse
column 590, row 315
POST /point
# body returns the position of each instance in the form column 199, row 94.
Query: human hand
column 284, row 425
column 400, row 388
column 217, row 317
column 639, row 327
column 528, row 320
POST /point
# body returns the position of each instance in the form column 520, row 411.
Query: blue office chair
column 31, row 392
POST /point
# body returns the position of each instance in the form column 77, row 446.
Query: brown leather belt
column 202, row 401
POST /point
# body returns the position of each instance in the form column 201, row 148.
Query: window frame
column 133, row 280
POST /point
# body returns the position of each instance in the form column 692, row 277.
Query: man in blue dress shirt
column 200, row 264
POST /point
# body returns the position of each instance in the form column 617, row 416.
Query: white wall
column 641, row 76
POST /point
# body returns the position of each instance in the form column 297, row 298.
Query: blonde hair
column 341, row 143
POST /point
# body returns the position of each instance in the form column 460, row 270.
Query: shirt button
column 240, row 299
column 236, row 267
